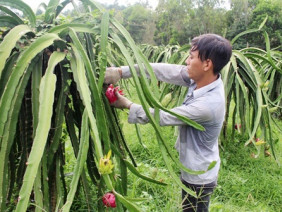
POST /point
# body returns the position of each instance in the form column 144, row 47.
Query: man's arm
column 170, row 73
column 196, row 111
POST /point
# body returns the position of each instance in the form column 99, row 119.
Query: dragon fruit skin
column 109, row 200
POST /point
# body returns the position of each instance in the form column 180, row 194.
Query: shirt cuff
column 132, row 117
column 125, row 72
column 138, row 115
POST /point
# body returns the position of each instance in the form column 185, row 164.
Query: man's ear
column 208, row 65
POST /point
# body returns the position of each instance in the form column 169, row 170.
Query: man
column 204, row 103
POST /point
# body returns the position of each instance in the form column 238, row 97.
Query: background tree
column 207, row 16
column 172, row 17
column 138, row 19
column 178, row 21
column 237, row 21
column 272, row 9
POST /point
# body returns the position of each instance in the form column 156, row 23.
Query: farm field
column 65, row 147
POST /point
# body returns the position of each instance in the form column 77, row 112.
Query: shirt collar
column 201, row 91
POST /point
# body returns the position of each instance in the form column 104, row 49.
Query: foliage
column 177, row 22
column 206, row 17
column 273, row 10
column 238, row 19
column 171, row 21
column 137, row 20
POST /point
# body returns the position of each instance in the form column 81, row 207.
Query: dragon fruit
column 110, row 93
column 109, row 200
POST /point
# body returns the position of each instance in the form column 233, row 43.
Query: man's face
column 195, row 66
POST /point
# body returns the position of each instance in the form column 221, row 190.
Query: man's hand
column 121, row 102
column 112, row 75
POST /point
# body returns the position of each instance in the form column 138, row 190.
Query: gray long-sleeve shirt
column 206, row 105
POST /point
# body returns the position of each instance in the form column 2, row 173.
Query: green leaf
column 135, row 172
column 36, row 77
column 37, row 46
column 8, row 138
column 59, row 118
column 46, row 99
column 212, row 165
column 247, row 69
column 20, row 5
column 103, row 52
column 76, row 27
column 263, row 22
column 129, row 205
column 258, row 115
column 81, row 158
column 9, row 43
column 8, row 21
column 12, row 14
column 248, row 31
column 43, row 5
column 268, row 53
column 77, row 66
column 38, row 195
column 245, row 103
column 50, row 12
column 243, row 33
column 6, row 72
column 61, row 6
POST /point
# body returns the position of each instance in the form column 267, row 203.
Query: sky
column 34, row 3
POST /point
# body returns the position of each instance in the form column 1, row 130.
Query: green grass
column 245, row 183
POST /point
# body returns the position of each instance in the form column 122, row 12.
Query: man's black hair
column 213, row 47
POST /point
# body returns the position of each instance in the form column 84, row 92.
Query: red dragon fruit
column 109, row 200
column 110, row 93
